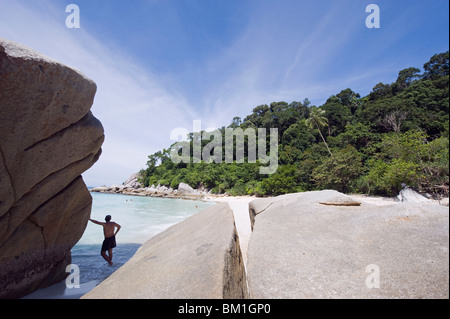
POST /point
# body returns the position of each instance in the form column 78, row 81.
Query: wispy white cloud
column 136, row 111
column 289, row 53
column 278, row 56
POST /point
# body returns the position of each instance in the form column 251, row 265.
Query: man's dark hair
column 108, row 218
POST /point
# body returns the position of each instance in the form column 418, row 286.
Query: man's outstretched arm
column 96, row 222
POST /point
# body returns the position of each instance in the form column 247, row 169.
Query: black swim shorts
column 109, row 243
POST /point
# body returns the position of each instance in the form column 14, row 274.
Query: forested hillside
column 398, row 134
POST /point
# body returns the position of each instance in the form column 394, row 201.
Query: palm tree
column 317, row 120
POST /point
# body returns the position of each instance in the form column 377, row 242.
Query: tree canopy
column 398, row 134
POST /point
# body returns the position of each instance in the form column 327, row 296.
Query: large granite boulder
column 328, row 245
column 48, row 138
column 195, row 259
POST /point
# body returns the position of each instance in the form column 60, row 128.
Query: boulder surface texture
column 48, row 137
column 198, row 258
column 327, row 245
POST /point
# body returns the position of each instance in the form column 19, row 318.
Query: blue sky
column 160, row 64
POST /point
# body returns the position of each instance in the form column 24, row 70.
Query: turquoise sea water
column 140, row 217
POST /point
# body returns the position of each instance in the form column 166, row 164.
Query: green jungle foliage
column 396, row 135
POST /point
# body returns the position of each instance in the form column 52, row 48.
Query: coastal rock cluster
column 133, row 187
column 48, row 138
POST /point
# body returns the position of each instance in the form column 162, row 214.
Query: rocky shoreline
column 184, row 191
column 133, row 187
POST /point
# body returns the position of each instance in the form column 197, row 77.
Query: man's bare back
column 109, row 229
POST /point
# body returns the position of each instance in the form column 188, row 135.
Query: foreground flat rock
column 197, row 258
column 49, row 138
column 303, row 246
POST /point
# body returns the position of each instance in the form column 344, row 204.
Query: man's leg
column 106, row 257
column 110, row 255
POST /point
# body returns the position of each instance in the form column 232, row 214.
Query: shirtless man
column 110, row 232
